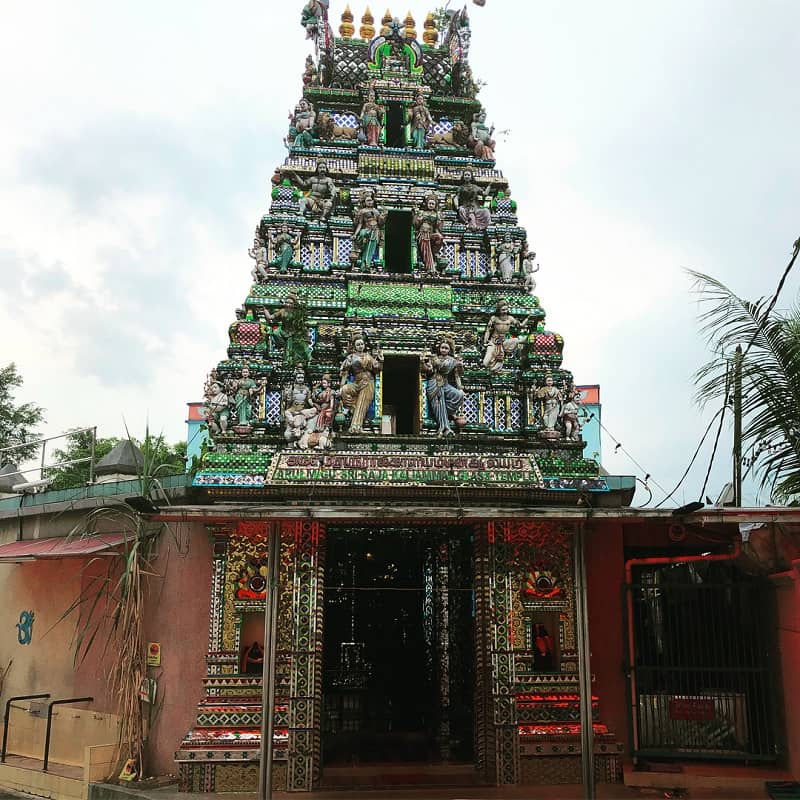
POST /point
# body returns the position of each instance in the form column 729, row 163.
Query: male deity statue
column 421, row 120
column 312, row 17
column 321, row 191
column 529, row 267
column 569, row 416
column 301, row 129
column 299, row 412
column 506, row 254
column 216, row 408
column 291, row 332
column 551, row 398
column 428, row 226
column 371, row 116
column 497, row 338
column 259, row 254
column 481, row 137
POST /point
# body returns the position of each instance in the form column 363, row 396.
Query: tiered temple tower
column 391, row 362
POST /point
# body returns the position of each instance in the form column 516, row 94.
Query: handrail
column 50, row 722
column 7, row 717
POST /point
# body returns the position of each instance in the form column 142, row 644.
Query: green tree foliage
column 770, row 379
column 17, row 422
column 167, row 459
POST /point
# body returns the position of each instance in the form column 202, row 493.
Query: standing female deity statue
column 246, row 392
column 291, row 332
column 283, row 244
column 216, row 409
column 443, row 384
column 469, row 202
column 421, row 120
column 367, row 233
column 481, row 139
column 362, row 367
column 506, row 257
column 428, row 225
column 551, row 398
column 371, row 114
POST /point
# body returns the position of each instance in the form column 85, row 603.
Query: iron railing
column 7, row 718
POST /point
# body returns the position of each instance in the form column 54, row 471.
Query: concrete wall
column 606, row 577
column 788, row 601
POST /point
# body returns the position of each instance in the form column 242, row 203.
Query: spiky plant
column 110, row 604
column 770, row 369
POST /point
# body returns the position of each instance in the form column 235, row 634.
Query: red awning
column 31, row 549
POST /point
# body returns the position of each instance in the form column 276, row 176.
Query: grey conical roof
column 123, row 459
column 9, row 476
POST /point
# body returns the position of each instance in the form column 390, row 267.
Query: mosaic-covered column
column 305, row 690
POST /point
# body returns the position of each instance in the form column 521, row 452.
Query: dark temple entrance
column 398, row 655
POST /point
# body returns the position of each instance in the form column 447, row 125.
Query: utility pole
column 268, row 669
column 584, row 662
column 737, row 426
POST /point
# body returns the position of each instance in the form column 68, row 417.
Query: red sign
column 697, row 709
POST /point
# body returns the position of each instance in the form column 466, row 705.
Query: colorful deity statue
column 321, row 191
column 299, row 412
column 529, row 268
column 481, row 137
column 291, row 332
column 368, row 221
column 370, row 118
column 246, row 392
column 259, row 254
column 313, row 16
column 506, row 255
column 357, row 374
column 324, row 398
column 421, row 121
column 569, row 416
column 469, row 202
column 498, row 339
column 301, row 128
column 283, row 247
column 310, row 74
column 428, row 225
column 217, row 408
column 443, row 384
column 551, row 399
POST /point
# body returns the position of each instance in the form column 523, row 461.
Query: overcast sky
column 138, row 140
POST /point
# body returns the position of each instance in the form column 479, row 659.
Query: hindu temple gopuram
column 393, row 400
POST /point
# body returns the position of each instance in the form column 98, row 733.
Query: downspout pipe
column 658, row 561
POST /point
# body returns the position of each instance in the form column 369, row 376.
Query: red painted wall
column 606, row 576
column 788, row 600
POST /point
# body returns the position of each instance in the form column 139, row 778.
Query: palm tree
column 770, row 374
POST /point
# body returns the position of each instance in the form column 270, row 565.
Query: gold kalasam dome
column 347, row 29
column 387, row 18
column 430, row 35
column 411, row 31
column 367, row 30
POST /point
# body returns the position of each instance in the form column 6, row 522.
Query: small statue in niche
column 428, row 225
column 551, row 398
column 302, row 125
column 506, row 254
column 321, row 191
column 569, row 416
column 283, row 246
column 543, row 649
column 362, row 367
column 529, row 268
column 247, row 390
column 421, row 120
column 469, row 203
column 443, row 384
column 216, row 408
column 370, row 117
column 259, row 254
column 310, row 75
column 367, row 234
column 299, row 412
column 312, row 17
column 481, row 137
column 292, row 331
column 253, row 660
column 324, row 399
column 497, row 339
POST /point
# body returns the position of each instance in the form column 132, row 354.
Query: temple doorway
column 398, row 653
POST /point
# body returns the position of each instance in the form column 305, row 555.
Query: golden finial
column 409, row 22
column 387, row 18
column 347, row 29
column 430, row 35
column 367, row 30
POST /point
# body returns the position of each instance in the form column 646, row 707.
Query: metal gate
column 704, row 667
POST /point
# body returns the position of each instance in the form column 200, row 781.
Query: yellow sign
column 154, row 654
